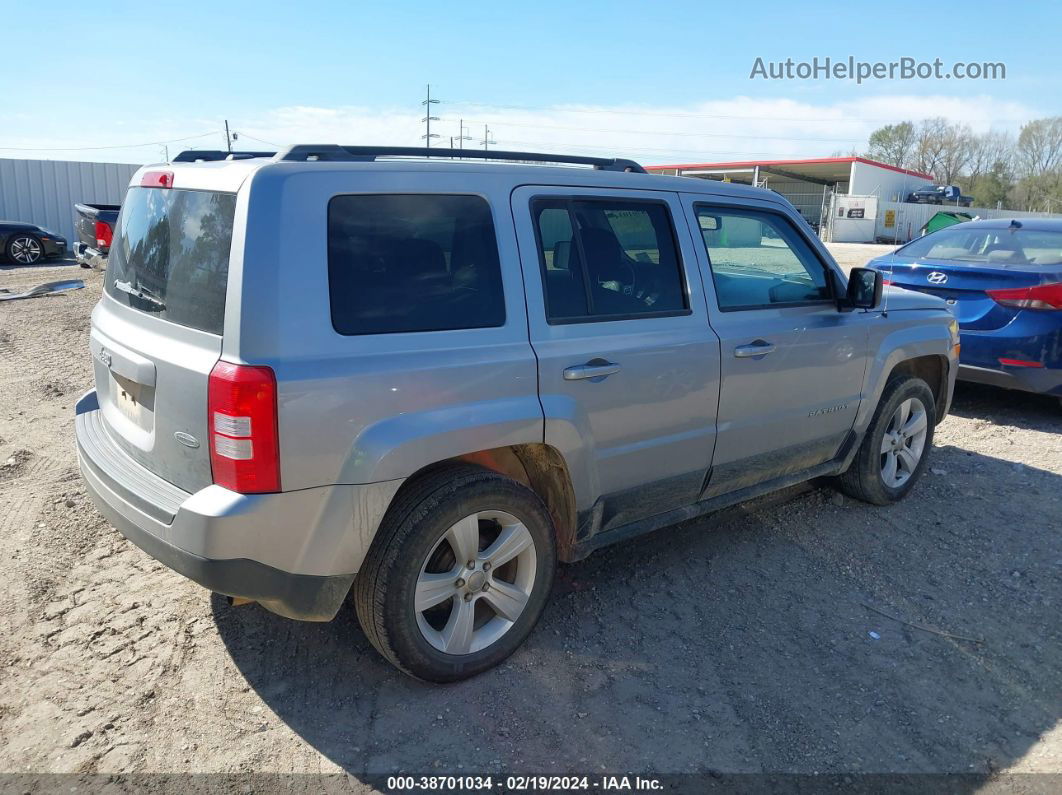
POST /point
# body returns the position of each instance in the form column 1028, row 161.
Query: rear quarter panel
column 364, row 409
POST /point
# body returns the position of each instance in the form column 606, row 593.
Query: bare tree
column 992, row 151
column 1039, row 162
column 943, row 149
column 1040, row 147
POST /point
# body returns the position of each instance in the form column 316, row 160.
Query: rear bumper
column 296, row 553
column 1041, row 380
column 89, row 257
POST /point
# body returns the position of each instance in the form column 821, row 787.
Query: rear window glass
column 977, row 245
column 412, row 263
column 170, row 255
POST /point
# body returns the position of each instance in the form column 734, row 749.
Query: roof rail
column 335, row 152
column 210, row 155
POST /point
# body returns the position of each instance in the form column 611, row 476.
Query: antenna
column 428, row 118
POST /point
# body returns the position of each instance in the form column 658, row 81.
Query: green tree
column 993, row 186
column 893, row 144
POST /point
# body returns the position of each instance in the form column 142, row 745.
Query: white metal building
column 815, row 185
column 44, row 191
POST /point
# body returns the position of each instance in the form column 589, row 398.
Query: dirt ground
column 814, row 634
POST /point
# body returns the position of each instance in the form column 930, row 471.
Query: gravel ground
column 856, row 255
column 811, row 634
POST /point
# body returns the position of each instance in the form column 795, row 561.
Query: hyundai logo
column 936, row 277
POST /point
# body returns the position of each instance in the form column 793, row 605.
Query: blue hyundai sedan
column 1003, row 281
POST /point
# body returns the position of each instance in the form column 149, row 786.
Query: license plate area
column 134, row 402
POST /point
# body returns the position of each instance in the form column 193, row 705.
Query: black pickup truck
column 94, row 228
column 940, row 194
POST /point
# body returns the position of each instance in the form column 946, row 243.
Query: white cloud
column 731, row 129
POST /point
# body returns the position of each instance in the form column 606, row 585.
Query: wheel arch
column 541, row 468
column 933, row 369
column 919, row 345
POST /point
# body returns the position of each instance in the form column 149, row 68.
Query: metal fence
column 903, row 221
column 44, row 191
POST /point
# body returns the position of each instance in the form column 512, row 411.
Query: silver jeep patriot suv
column 422, row 381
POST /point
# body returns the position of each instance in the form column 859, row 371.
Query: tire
column 24, row 249
column 415, row 557
column 868, row 476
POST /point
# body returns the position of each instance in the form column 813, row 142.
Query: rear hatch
column 157, row 331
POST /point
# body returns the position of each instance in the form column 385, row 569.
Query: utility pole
column 166, row 153
column 462, row 137
column 228, row 138
column 486, row 137
column 428, row 118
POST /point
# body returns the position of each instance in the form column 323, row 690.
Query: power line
column 261, row 140
column 633, row 112
column 94, row 148
column 645, row 150
column 682, row 134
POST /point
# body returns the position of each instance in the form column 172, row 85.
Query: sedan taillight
column 1042, row 296
column 242, row 416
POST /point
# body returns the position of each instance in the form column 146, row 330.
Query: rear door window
column 607, row 259
column 170, row 255
column 401, row 263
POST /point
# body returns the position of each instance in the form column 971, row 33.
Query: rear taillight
column 1042, row 296
column 242, row 416
column 104, row 235
column 156, row 179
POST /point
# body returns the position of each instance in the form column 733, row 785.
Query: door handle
column 594, row 370
column 753, row 349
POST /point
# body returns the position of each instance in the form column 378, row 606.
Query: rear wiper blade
column 140, row 292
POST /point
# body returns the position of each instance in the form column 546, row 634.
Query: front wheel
column 458, row 575
column 896, row 446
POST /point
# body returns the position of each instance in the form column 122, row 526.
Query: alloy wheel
column 904, row 442
column 476, row 582
column 25, row 250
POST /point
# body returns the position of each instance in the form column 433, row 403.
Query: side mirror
column 864, row 289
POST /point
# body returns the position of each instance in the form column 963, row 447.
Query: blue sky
column 663, row 81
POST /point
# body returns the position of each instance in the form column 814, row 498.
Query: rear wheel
column 458, row 575
column 25, row 250
column 896, row 446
